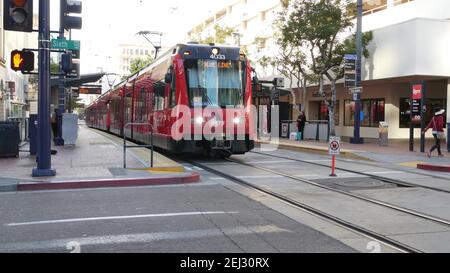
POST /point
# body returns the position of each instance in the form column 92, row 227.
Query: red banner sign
column 417, row 92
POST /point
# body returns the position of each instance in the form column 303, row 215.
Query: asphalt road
column 202, row 218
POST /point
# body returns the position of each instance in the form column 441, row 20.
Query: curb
column 434, row 168
column 109, row 183
column 319, row 150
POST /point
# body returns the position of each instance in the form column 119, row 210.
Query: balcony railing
column 385, row 6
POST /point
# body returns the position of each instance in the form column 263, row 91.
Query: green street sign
column 65, row 44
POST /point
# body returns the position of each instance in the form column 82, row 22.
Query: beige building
column 128, row 52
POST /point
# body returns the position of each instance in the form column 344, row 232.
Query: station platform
column 95, row 162
column 397, row 152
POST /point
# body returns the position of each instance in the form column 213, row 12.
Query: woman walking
column 437, row 124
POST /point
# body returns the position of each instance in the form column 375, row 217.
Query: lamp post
column 357, row 131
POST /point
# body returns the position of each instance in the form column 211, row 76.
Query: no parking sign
column 335, row 146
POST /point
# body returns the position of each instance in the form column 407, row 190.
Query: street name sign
column 65, row 44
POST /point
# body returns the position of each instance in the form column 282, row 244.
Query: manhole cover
column 361, row 184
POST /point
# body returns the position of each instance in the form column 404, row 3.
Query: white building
column 128, row 52
column 410, row 44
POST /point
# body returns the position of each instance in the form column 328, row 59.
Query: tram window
column 158, row 99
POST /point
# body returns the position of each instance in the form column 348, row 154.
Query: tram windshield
column 216, row 83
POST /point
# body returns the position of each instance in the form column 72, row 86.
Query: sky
column 108, row 23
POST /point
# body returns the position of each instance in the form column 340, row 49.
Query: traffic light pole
column 44, row 136
column 357, row 132
column 59, row 141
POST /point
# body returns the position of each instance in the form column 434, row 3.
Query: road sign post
column 334, row 149
column 44, row 135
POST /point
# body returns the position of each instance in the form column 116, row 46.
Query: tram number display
column 218, row 64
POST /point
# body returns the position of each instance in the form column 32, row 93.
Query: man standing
column 301, row 123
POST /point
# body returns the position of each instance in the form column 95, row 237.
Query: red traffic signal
column 18, row 15
column 22, row 61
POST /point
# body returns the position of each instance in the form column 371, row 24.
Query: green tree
column 315, row 29
column 220, row 36
column 139, row 63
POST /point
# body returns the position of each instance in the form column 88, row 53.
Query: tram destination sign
column 65, row 44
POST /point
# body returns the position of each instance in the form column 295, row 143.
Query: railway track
column 373, row 176
column 355, row 228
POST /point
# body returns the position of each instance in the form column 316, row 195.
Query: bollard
column 333, row 167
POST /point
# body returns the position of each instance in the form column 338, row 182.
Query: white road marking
column 137, row 238
column 118, row 218
column 217, row 178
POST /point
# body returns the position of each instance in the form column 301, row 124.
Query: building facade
column 410, row 45
column 128, row 52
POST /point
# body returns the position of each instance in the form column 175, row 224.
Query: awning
column 83, row 79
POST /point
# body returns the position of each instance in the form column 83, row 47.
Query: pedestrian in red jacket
column 437, row 124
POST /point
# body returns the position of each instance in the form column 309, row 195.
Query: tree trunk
column 332, row 108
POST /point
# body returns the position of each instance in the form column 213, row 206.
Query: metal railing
column 125, row 146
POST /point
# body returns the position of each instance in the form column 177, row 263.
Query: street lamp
column 357, row 132
column 146, row 35
column 237, row 37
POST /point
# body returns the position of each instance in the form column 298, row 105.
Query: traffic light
column 18, row 15
column 67, row 8
column 22, row 61
column 66, row 63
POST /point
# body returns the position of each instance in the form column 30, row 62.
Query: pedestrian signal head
column 22, row 61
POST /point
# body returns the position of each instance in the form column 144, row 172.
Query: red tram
column 195, row 98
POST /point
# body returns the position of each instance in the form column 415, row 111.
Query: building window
column 263, row 16
column 405, row 110
column 371, row 6
column 324, row 112
column 372, row 112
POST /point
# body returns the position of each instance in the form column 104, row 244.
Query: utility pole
column 44, row 136
column 357, row 131
column 59, row 141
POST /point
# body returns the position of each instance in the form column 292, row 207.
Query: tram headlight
column 199, row 120
column 237, row 120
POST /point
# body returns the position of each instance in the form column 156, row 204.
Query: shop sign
column 416, row 103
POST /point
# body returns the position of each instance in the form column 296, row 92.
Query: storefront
column 380, row 101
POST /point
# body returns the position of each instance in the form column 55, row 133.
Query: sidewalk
column 397, row 152
column 96, row 161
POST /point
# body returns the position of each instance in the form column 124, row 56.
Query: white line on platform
column 61, row 244
column 119, row 218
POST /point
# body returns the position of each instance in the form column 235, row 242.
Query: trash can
column 448, row 137
column 384, row 134
column 9, row 139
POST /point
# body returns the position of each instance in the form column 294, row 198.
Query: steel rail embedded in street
column 355, row 228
